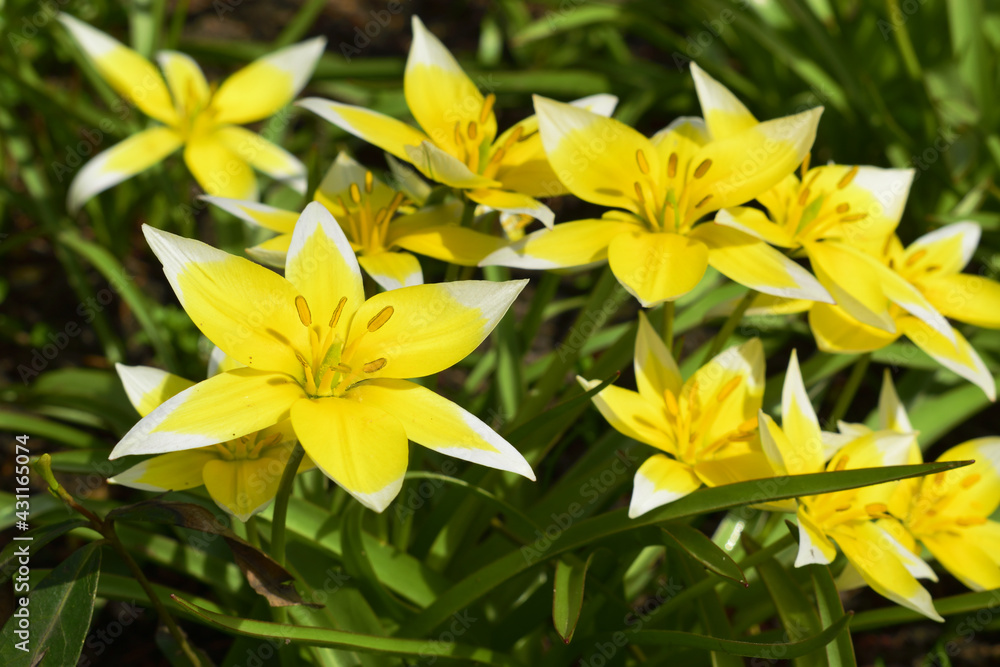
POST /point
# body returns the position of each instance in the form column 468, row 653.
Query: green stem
column 730, row 324
column 851, row 388
column 281, row 503
column 451, row 274
column 177, row 23
column 668, row 325
column 253, row 532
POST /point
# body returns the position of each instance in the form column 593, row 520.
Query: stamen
column 341, row 368
column 472, row 130
column 702, row 169
column 302, row 360
column 373, row 366
column 804, row 196
column 514, row 137
column 916, row 257
column 484, row 115
column 638, row 193
column 875, row 509
column 848, row 177
column 748, row 425
column 843, row 208
column 369, row 182
column 376, row 323
column 640, row 158
column 303, row 309
column 970, row 480
column 458, row 133
column 672, row 165
column 842, row 463
column 337, row 311
column 843, row 508
column 703, row 201
column 671, row 401
column 854, row 217
column 971, row 520
column 728, row 388
column 355, row 193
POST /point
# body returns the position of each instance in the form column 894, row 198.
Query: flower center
column 365, row 224
column 811, row 214
column 247, row 447
column 691, row 422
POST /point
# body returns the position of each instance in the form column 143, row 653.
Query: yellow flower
column 366, row 208
column 799, row 447
column 205, row 121
column 706, row 427
column 318, row 353
column 930, row 269
column 458, row 146
column 241, row 475
column 664, row 186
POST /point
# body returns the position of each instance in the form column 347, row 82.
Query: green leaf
column 701, row 548
column 966, row 603
column 423, row 648
column 59, row 610
column 748, row 649
column 40, row 536
column 567, row 596
column 358, row 566
column 839, row 653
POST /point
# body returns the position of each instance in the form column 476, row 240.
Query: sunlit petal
column 658, row 481
column 148, row 387
column 657, row 267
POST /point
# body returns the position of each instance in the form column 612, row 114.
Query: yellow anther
column 380, row 216
column 876, row 509
column 703, row 201
column 514, row 137
column 671, row 402
column 843, row 508
column 916, row 257
column 804, row 196
column 854, row 217
column 373, row 366
column 748, row 425
column 702, row 169
column 484, row 115
column 355, row 193
column 396, row 202
column 375, row 323
column 303, row 309
column 301, row 360
column 672, row 165
column 848, row 177
column 728, row 388
column 638, row 193
column 369, row 182
column 640, row 159
column 970, row 520
column 842, row 462
column 970, row 480
column 843, row 208
column 472, row 130
column 337, row 311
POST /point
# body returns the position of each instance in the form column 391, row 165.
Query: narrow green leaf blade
column 567, row 596
column 42, row 535
column 700, row 547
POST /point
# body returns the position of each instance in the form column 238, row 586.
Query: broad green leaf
column 423, row 648
column 59, row 611
column 701, row 548
column 40, row 536
column 567, row 596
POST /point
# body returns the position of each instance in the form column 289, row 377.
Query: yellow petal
column 441, row 96
column 657, row 267
column 731, row 386
column 219, row 170
column 799, row 423
column 322, row 266
column 272, row 252
column 865, row 546
column 948, row 249
column 449, row 243
column 632, row 415
column 679, row 143
column 975, row 489
column 360, row 447
column 175, row 471
column 123, row 160
column 749, row 261
column 965, row 297
column 838, row 332
column 435, row 422
column 814, row 545
column 566, row 245
column 392, row 270
column 267, row 84
column 754, row 222
column 269, row 217
column 962, row 359
column 739, row 468
column 879, row 194
column 658, row 481
column 389, row 134
column 965, row 559
column 724, row 114
column 598, row 159
column 245, row 309
column 244, row 487
column 148, row 387
column 186, row 81
column 215, row 410
column 987, row 536
column 132, row 76
column 747, row 164
column 430, row 327
column 655, row 368
column 854, row 282
column 783, row 456
column 264, row 156
column 514, row 202
column 443, row 167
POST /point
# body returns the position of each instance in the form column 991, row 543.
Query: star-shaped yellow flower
column 706, row 427
column 799, row 447
column 241, row 475
column 366, row 209
column 930, row 268
column 662, row 187
column 459, row 146
column 205, row 121
column 318, row 353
